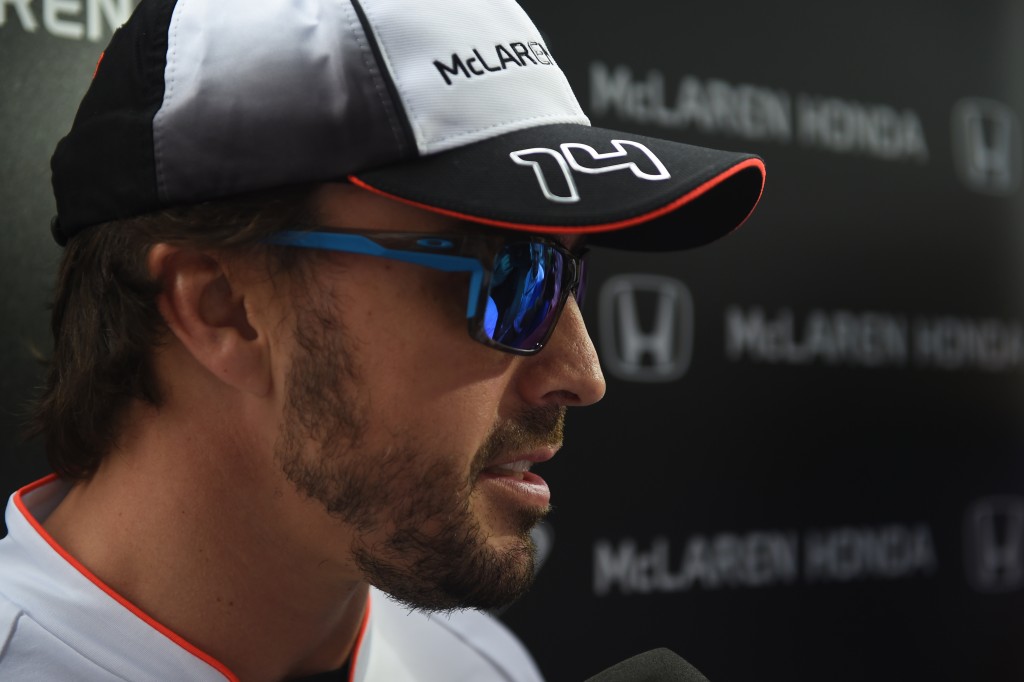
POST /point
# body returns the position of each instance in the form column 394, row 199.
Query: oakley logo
column 554, row 167
column 646, row 327
column 435, row 243
column 987, row 145
column 994, row 544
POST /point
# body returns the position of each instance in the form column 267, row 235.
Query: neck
column 214, row 546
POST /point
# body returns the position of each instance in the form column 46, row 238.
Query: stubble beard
column 416, row 536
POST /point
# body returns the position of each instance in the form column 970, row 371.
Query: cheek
column 436, row 402
column 418, row 341
column 406, row 314
column 422, row 373
column 440, row 396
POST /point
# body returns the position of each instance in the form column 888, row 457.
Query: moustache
column 531, row 429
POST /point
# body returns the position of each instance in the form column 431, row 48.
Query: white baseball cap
column 455, row 106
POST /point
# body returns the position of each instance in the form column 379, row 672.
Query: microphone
column 656, row 665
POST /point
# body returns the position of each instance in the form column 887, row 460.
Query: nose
column 566, row 371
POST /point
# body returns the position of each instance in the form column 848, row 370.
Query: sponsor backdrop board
column 810, row 462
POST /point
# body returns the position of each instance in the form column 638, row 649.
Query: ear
column 205, row 308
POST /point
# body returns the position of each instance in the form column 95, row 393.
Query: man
column 264, row 410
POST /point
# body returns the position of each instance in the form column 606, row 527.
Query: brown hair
column 105, row 320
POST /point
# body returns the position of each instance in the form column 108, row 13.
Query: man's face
column 411, row 433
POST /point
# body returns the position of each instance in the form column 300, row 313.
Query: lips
column 516, row 465
column 512, row 474
column 517, row 469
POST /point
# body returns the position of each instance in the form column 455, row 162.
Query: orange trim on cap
column 166, row 632
column 357, row 648
column 98, row 62
column 586, row 229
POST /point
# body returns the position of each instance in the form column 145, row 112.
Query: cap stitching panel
column 373, row 68
column 547, row 118
column 411, row 116
column 566, row 88
column 424, row 143
column 158, row 131
column 520, row 122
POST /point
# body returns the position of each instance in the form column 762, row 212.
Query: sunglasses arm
column 427, row 257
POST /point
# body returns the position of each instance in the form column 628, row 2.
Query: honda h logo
column 994, row 544
column 554, row 167
column 646, row 326
column 987, row 145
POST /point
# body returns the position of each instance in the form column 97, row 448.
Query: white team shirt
column 60, row 622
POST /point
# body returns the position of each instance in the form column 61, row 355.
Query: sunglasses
column 518, row 284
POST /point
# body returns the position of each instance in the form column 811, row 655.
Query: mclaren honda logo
column 498, row 58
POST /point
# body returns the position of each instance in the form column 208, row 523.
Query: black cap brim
column 626, row 191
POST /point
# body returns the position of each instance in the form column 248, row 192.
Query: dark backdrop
column 810, row 462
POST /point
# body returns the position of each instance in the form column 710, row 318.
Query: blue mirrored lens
column 526, row 288
column 490, row 316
